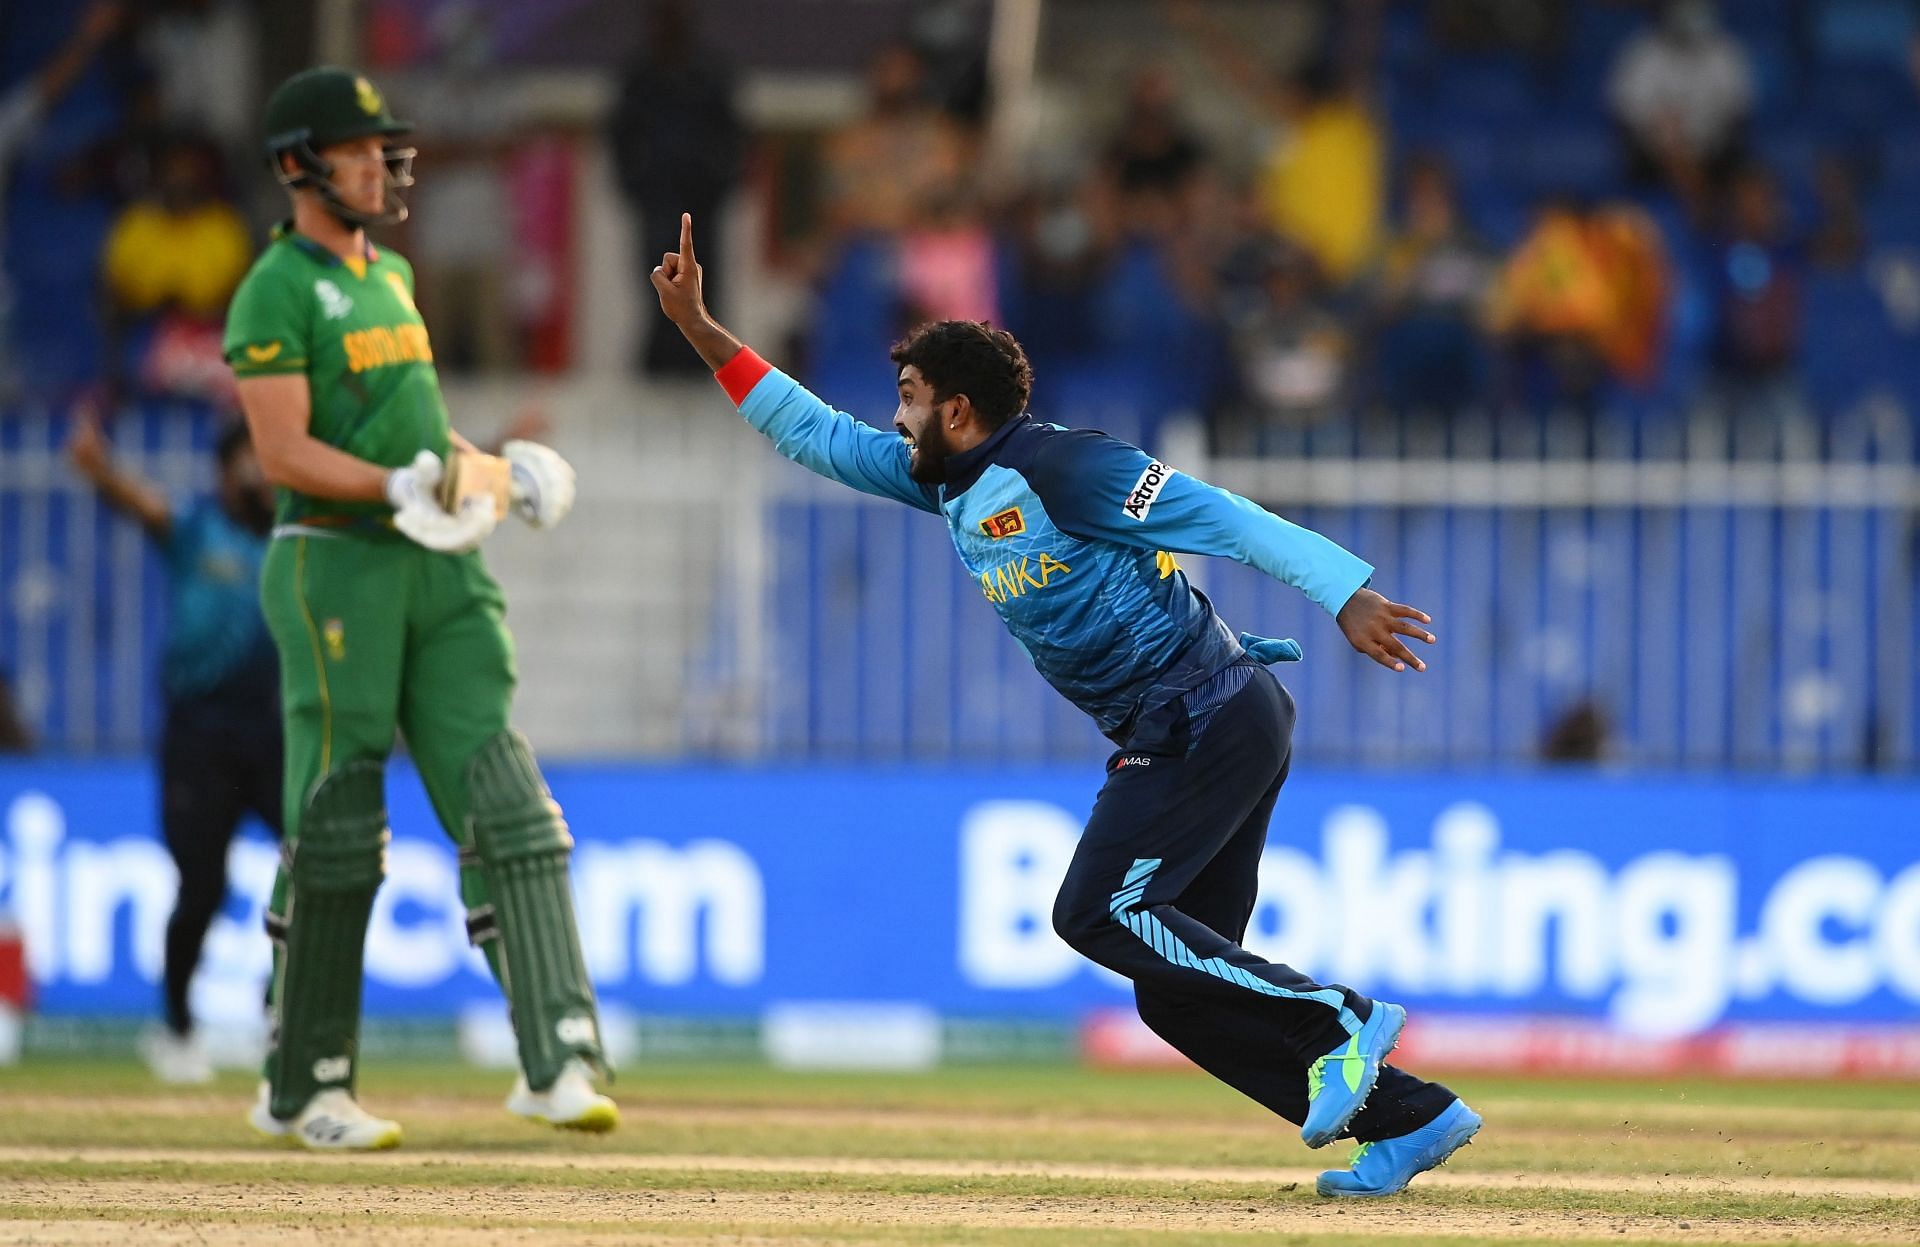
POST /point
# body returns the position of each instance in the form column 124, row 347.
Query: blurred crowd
column 1619, row 209
column 1638, row 219
column 124, row 235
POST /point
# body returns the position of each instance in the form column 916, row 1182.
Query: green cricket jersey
column 352, row 328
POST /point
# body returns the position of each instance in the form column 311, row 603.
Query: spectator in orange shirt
column 1582, row 299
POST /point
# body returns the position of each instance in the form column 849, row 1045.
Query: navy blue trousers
column 217, row 764
column 1163, row 885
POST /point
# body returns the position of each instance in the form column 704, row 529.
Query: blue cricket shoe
column 1384, row 1167
column 1340, row 1082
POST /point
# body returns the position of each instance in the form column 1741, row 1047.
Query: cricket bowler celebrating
column 1072, row 535
column 385, row 617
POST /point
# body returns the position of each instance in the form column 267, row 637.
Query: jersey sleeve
column 269, row 326
column 820, row 439
column 184, row 536
column 1097, row 487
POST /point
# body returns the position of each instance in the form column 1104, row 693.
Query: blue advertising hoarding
column 1660, row 907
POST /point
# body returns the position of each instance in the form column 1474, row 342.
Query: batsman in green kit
column 387, row 621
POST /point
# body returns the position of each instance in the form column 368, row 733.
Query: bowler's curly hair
column 973, row 358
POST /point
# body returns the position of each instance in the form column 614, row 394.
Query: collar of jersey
column 965, row 468
column 284, row 232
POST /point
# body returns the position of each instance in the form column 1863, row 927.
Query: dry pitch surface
column 1031, row 1155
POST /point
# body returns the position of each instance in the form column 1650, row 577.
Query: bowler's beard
column 926, row 469
column 929, row 463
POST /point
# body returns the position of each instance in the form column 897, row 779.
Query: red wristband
column 740, row 374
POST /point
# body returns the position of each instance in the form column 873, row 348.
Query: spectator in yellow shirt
column 172, row 260
column 1323, row 180
column 179, row 247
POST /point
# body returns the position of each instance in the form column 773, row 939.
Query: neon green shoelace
column 1352, row 1063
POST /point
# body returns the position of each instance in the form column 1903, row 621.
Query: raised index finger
column 686, row 242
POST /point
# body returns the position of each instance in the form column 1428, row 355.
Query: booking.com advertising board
column 1636, row 911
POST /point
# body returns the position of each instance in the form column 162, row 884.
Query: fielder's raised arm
column 677, row 279
column 800, row 426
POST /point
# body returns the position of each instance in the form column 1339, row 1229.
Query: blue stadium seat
column 58, row 345
column 1864, row 99
column 1599, row 32
column 857, row 318
column 1854, row 32
column 859, row 302
column 1485, row 92
column 1776, row 76
column 1746, row 17
column 1849, row 347
column 1472, row 155
column 862, row 385
column 1900, row 165
column 1892, row 220
column 1792, row 152
column 1498, row 215
column 1576, row 157
column 1404, row 38
column 1153, row 347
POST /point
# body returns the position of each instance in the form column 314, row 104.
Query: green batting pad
column 333, row 869
column 522, row 844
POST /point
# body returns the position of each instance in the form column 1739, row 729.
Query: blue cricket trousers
column 1162, row 886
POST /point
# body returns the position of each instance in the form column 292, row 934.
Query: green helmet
column 325, row 105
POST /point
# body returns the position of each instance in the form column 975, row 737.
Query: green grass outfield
column 92, row 1152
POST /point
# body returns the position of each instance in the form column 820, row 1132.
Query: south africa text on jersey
column 1012, row 580
column 394, row 344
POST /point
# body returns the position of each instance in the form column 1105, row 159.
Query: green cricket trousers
column 376, row 635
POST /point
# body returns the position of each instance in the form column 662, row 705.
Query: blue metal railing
column 82, row 596
column 1704, row 597
column 1718, row 598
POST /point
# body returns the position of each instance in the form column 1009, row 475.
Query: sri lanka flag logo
column 1005, row 524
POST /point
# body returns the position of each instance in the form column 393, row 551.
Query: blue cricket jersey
column 217, row 639
column 1070, row 535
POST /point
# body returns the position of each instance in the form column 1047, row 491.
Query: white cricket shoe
column 261, row 1117
column 331, row 1122
column 177, row 1060
column 571, row 1103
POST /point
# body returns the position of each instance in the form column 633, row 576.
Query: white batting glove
column 417, row 512
column 543, row 485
